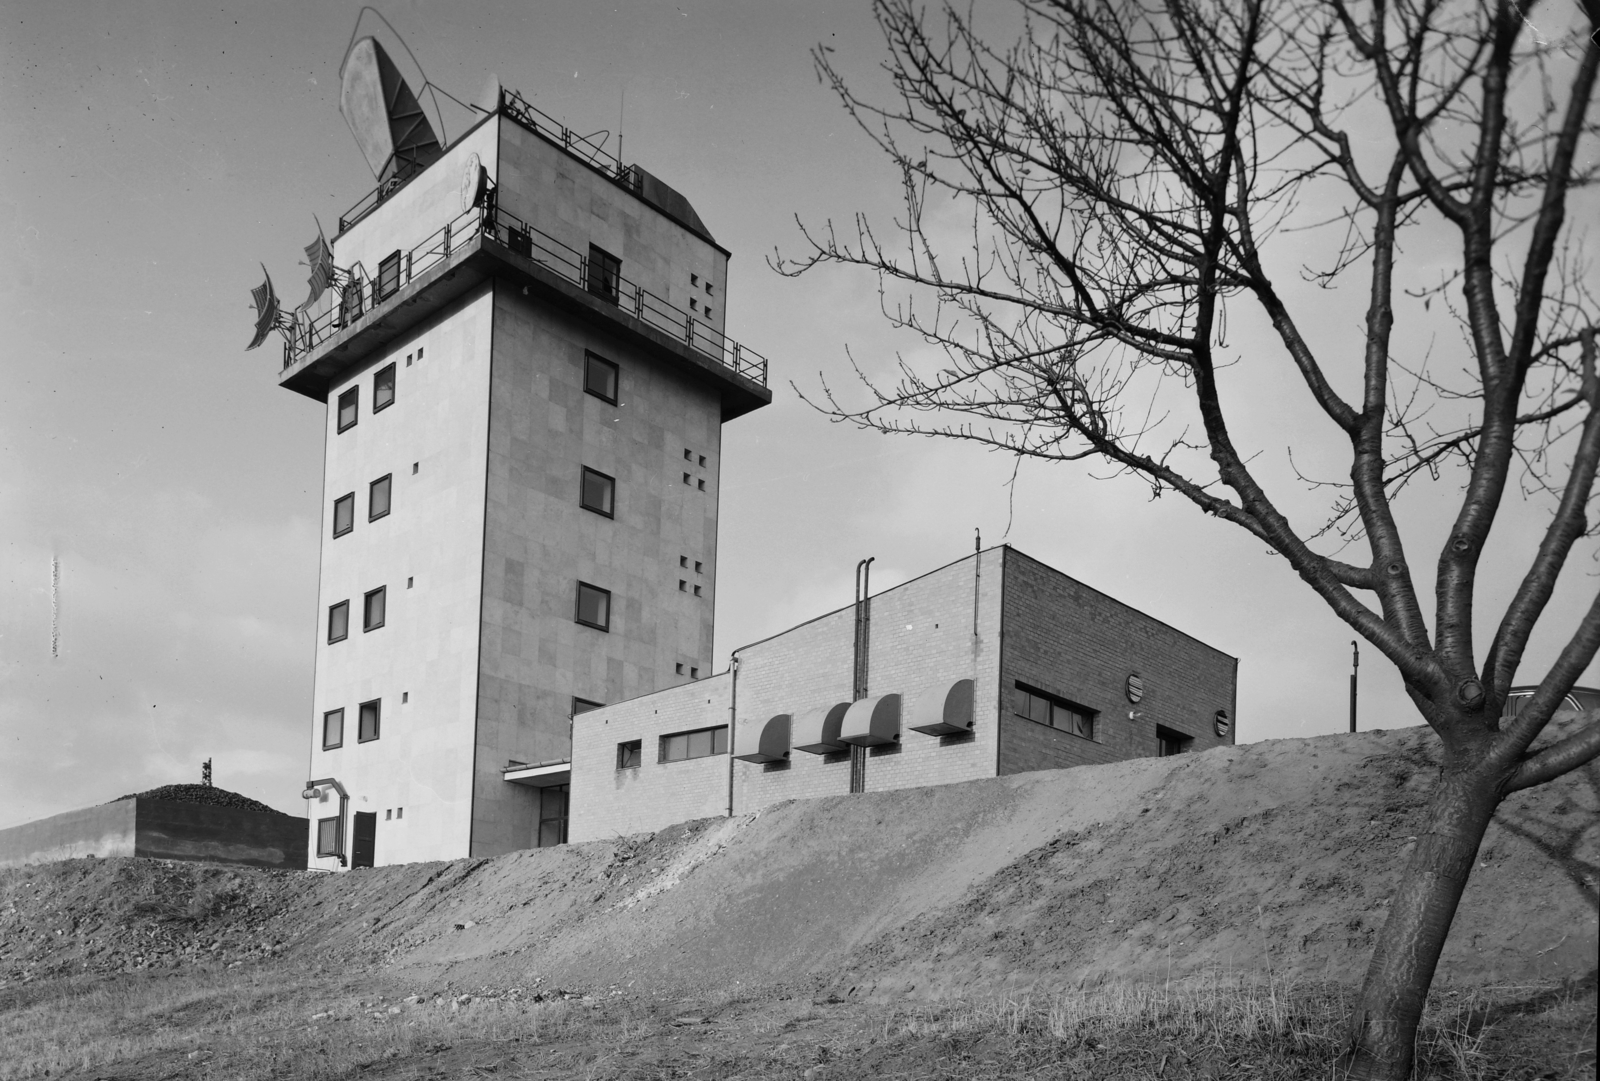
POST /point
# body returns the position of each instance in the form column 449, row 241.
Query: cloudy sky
column 153, row 154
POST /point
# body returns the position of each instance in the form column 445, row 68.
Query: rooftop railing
column 355, row 296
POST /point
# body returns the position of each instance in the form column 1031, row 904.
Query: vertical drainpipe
column 733, row 720
column 858, row 690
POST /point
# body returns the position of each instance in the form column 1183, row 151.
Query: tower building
column 522, row 355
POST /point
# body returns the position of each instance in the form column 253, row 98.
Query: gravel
column 203, row 793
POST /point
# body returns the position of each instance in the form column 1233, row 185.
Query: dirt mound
column 1276, row 856
column 203, row 793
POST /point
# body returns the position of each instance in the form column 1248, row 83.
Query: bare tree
column 1135, row 169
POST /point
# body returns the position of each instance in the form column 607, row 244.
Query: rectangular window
column 605, row 274
column 630, row 754
column 347, row 408
column 383, row 388
column 378, row 497
column 599, row 492
column 338, row 622
column 389, row 276
column 594, row 606
column 344, row 514
column 702, row 744
column 1047, row 709
column 1170, row 742
column 600, row 378
column 583, row 705
column 370, row 715
column 328, row 837
column 333, row 729
column 372, row 610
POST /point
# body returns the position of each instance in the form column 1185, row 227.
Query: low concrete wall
column 199, row 831
column 102, row 831
column 160, row 829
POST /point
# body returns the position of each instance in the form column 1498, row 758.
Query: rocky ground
column 1271, row 862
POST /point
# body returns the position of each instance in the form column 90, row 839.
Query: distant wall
column 93, row 831
column 160, row 829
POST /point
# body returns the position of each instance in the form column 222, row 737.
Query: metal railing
column 360, row 296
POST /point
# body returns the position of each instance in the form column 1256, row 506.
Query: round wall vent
column 1221, row 722
column 1135, row 688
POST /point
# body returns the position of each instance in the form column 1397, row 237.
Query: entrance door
column 552, row 816
column 363, row 838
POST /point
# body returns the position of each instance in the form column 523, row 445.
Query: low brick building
column 991, row 665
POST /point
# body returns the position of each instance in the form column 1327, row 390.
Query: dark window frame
column 387, row 480
column 1073, row 710
column 604, row 275
column 594, row 361
column 350, row 499
column 366, row 608
column 354, row 396
column 332, row 608
column 325, row 850
column 577, row 613
column 713, row 730
column 630, row 754
column 388, row 283
column 611, row 492
column 1170, row 741
column 326, row 717
column 380, row 404
column 377, row 720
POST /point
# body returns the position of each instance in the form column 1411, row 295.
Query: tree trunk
column 1383, row 1029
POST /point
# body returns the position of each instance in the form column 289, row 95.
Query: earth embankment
column 1277, row 856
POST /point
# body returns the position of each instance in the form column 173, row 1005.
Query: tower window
column 679, row 669
column 383, row 388
column 347, row 408
column 594, row 607
column 696, row 591
column 687, row 478
column 702, row 486
column 599, row 492
column 370, row 712
column 708, row 285
column 389, row 276
column 605, row 274
column 702, row 461
column 683, row 561
column 683, row 586
column 630, row 754
column 338, row 622
column 378, row 497
column 333, row 729
column 694, row 279
column 694, row 305
column 600, row 378
column 344, row 514
column 688, row 455
column 697, row 566
column 372, row 611
column 708, row 311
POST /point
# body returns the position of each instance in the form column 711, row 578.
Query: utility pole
column 1355, row 666
column 205, row 773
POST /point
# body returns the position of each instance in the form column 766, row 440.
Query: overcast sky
column 153, row 154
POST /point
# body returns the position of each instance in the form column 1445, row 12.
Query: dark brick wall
column 1063, row 637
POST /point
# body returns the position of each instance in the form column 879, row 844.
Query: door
column 363, row 838
column 552, row 816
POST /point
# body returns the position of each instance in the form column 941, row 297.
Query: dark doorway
column 363, row 838
column 552, row 816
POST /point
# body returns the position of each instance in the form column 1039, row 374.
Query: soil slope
column 1277, row 856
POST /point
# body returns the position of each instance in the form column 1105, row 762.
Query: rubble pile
column 203, row 793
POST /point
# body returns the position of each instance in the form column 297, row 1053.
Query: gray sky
column 153, row 154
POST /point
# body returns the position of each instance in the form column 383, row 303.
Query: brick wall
column 1078, row 644
column 607, row 801
column 921, row 633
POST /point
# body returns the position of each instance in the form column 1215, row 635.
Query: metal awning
column 539, row 775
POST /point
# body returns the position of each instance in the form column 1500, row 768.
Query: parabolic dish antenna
column 384, row 115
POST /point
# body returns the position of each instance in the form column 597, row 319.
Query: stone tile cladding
column 921, row 633
column 607, row 801
column 1078, row 644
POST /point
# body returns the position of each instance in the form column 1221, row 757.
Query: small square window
column 598, row 492
column 630, row 754
column 338, row 622
column 697, row 566
column 694, row 673
column 348, row 402
column 405, row 696
column 694, row 279
column 333, row 730
column 372, row 610
column 415, row 466
column 328, row 837
column 683, row 561
column 383, row 388
column 419, row 354
column 370, row 714
column 688, row 455
column 600, row 378
column 702, row 485
column 344, row 514
column 399, row 812
column 702, row 461
column 388, row 813
column 605, row 274
column 408, row 359
column 708, row 311
column 389, row 276
column 378, row 497
column 694, row 305
column 683, row 587
column 594, row 607
column 409, row 582
column 696, row 591
column 584, row 705
column 708, row 285
column 680, row 669
column 687, row 478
